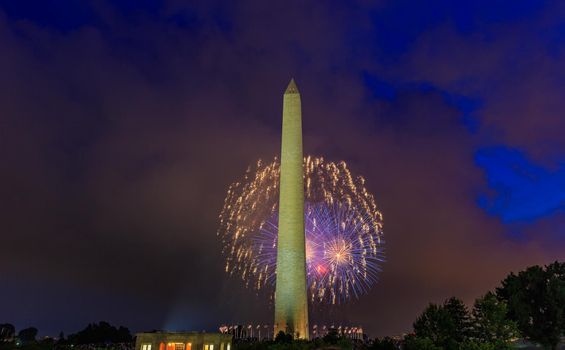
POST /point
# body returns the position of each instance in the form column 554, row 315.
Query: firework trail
column 344, row 237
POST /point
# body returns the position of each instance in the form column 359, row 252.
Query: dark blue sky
column 122, row 124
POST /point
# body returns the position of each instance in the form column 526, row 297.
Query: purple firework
column 344, row 237
column 342, row 258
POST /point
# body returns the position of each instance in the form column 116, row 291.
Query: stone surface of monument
column 291, row 303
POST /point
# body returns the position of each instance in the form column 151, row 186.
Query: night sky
column 123, row 123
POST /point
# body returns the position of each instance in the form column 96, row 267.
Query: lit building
column 182, row 341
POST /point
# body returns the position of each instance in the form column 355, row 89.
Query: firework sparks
column 344, row 237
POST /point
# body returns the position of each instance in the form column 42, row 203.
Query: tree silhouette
column 283, row 338
column 445, row 325
column 101, row 333
column 383, row 344
column 490, row 321
column 7, row 332
column 27, row 335
column 536, row 301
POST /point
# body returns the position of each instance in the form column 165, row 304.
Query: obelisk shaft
column 291, row 304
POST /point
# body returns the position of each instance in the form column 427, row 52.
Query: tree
column 47, row 343
column 416, row 343
column 491, row 324
column 7, row 332
column 99, row 333
column 445, row 325
column 477, row 345
column 283, row 338
column 332, row 337
column 27, row 335
column 460, row 317
column 536, row 301
column 383, row 344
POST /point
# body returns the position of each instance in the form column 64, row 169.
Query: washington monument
column 291, row 304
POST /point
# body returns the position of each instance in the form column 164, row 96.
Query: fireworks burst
column 344, row 237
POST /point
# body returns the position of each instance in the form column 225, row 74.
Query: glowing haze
column 344, row 236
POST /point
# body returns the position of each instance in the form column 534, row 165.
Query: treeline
column 528, row 305
column 101, row 333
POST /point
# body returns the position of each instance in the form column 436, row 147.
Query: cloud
column 524, row 191
column 514, row 67
column 121, row 135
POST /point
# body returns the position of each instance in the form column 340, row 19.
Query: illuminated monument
column 291, row 304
